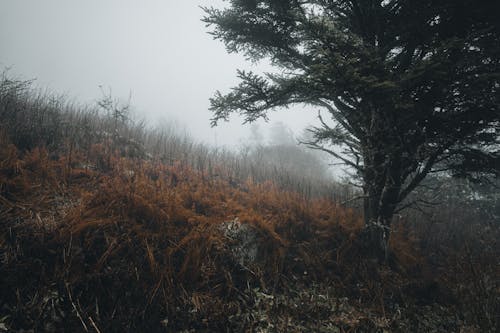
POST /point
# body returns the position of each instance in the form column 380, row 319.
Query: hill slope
column 97, row 237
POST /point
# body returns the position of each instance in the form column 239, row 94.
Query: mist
column 123, row 210
column 157, row 52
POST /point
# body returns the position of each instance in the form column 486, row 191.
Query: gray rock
column 244, row 243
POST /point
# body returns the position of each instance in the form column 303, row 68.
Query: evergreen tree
column 410, row 86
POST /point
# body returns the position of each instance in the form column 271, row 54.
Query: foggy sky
column 158, row 50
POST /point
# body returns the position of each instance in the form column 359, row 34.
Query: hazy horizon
column 158, row 51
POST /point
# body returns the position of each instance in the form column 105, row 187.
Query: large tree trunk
column 377, row 229
column 382, row 185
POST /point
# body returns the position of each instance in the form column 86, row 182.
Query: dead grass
column 98, row 236
column 138, row 246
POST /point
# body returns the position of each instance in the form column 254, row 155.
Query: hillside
column 106, row 226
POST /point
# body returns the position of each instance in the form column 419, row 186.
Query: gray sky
column 157, row 49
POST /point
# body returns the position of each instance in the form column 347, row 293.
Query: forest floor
column 97, row 242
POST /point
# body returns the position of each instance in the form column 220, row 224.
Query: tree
column 280, row 134
column 411, row 87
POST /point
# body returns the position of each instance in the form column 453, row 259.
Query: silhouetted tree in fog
column 407, row 85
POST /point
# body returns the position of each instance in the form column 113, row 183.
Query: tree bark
column 382, row 185
column 377, row 229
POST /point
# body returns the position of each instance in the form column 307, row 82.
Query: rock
column 245, row 241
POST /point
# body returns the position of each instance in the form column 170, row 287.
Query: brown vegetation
column 98, row 238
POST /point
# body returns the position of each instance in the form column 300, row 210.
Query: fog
column 158, row 51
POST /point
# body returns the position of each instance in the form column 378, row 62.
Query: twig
column 11, row 204
column 354, row 199
column 75, row 308
column 94, row 325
